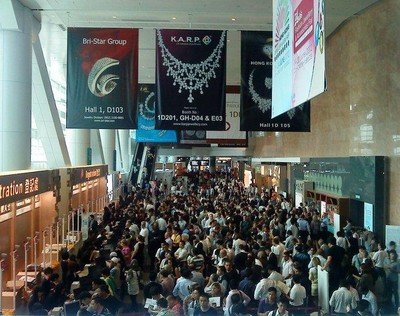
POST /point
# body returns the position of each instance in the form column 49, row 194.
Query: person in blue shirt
column 181, row 288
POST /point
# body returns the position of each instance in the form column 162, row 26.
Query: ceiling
column 231, row 15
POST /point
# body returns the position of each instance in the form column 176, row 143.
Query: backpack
column 237, row 306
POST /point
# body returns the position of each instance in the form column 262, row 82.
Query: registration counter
column 27, row 209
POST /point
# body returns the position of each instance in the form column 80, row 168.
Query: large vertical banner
column 102, row 78
column 146, row 132
column 190, row 79
column 299, row 52
column 256, row 89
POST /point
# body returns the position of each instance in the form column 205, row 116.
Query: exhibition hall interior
column 114, row 114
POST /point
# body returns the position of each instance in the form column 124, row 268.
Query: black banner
column 15, row 187
column 83, row 174
column 256, row 89
column 190, row 79
column 102, row 78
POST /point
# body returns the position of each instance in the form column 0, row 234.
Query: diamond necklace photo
column 191, row 77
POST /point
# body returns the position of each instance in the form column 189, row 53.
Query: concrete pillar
column 78, row 142
column 125, row 143
column 15, row 88
column 108, row 142
column 213, row 163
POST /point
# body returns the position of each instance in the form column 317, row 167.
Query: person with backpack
column 235, row 296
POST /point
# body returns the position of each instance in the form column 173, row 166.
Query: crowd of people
column 219, row 248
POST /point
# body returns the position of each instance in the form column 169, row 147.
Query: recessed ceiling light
column 233, row 19
column 114, row 16
column 174, row 18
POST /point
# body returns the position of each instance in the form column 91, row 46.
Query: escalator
column 136, row 164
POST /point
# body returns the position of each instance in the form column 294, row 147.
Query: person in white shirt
column 181, row 254
column 234, row 284
column 379, row 260
column 317, row 254
column 144, row 232
column 341, row 299
column 287, row 265
column 134, row 230
column 274, row 275
column 162, row 223
column 237, row 242
column 278, row 249
column 369, row 296
column 341, row 241
column 355, row 297
column 297, row 292
column 262, row 287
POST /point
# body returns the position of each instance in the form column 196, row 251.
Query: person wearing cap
column 115, row 272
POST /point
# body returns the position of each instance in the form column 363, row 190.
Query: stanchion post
column 63, row 230
column 35, row 244
column 58, row 237
column 14, row 274
column 2, row 263
column 27, row 246
column 51, row 227
column 44, row 247
column 68, row 228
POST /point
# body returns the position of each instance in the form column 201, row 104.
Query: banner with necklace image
column 256, row 89
column 146, row 132
column 102, row 78
column 190, row 78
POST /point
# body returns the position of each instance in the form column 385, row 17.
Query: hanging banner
column 146, row 132
column 232, row 136
column 256, row 89
column 299, row 52
column 102, row 78
column 190, row 79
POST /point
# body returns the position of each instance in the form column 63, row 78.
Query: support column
column 15, row 88
column 108, row 142
column 213, row 163
column 78, row 142
column 125, row 142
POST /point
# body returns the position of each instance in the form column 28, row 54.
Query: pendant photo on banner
column 256, row 89
column 102, row 78
column 190, row 79
column 146, row 132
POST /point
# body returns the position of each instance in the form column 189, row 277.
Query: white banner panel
column 298, row 52
column 323, row 290
column 369, row 216
column 232, row 133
